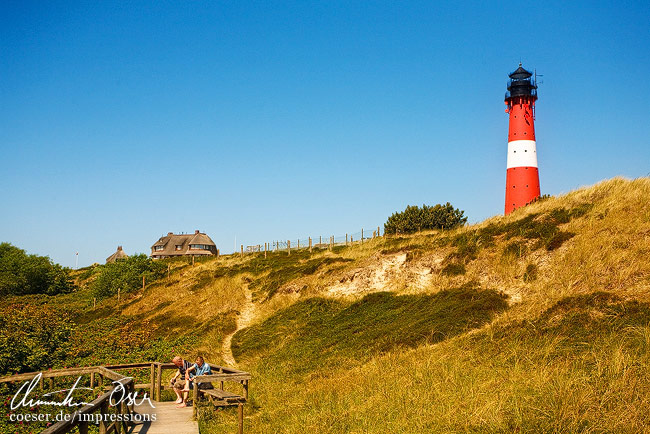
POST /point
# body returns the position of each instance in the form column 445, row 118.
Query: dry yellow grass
column 508, row 376
column 532, row 369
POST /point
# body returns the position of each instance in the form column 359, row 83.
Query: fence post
column 152, row 381
column 192, row 260
column 102, row 423
column 118, row 424
column 265, row 244
column 240, row 417
column 289, row 247
column 241, row 254
column 309, row 244
column 298, row 244
column 374, row 234
column 361, row 235
column 195, row 400
column 159, row 382
column 320, row 239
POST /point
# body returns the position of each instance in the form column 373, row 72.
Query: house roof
column 171, row 240
column 119, row 254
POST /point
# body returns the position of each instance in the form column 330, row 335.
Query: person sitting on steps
column 181, row 381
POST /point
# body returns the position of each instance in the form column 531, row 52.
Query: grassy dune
column 534, row 322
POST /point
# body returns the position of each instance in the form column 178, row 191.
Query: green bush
column 126, row 275
column 32, row 337
column 21, row 273
column 414, row 219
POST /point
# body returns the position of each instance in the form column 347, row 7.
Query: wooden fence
column 98, row 375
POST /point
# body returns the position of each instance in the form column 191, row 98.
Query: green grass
column 265, row 287
column 319, row 332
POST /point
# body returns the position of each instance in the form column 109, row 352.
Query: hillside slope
column 534, row 322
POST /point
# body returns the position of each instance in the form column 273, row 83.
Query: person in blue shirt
column 199, row 368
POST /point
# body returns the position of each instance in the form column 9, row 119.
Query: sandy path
column 243, row 320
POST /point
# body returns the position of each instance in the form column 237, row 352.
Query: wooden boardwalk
column 169, row 420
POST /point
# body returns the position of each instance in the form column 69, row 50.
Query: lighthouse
column 522, row 175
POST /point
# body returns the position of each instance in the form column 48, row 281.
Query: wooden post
column 143, row 275
column 298, row 247
column 361, row 236
column 240, row 417
column 289, row 247
column 378, row 232
column 246, row 389
column 374, row 234
column 320, row 240
column 118, row 424
column 195, row 400
column 124, row 411
column 192, row 260
column 309, row 244
column 217, row 253
column 92, row 380
column 103, row 410
column 159, row 383
column 351, row 240
column 152, row 381
column 241, row 251
column 265, row 244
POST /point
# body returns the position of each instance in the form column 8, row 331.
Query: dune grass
column 570, row 354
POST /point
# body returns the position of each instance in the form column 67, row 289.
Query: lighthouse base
column 522, row 187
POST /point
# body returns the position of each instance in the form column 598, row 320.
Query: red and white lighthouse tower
column 522, row 176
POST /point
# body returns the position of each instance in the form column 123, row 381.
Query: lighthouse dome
column 520, row 74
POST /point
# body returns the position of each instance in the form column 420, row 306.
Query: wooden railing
column 98, row 376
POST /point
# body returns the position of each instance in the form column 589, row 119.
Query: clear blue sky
column 120, row 122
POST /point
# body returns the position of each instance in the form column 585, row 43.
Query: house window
column 158, row 248
column 179, row 246
column 199, row 247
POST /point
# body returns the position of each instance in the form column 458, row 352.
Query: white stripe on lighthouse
column 522, row 153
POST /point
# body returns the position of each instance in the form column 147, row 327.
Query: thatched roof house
column 196, row 244
column 119, row 254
